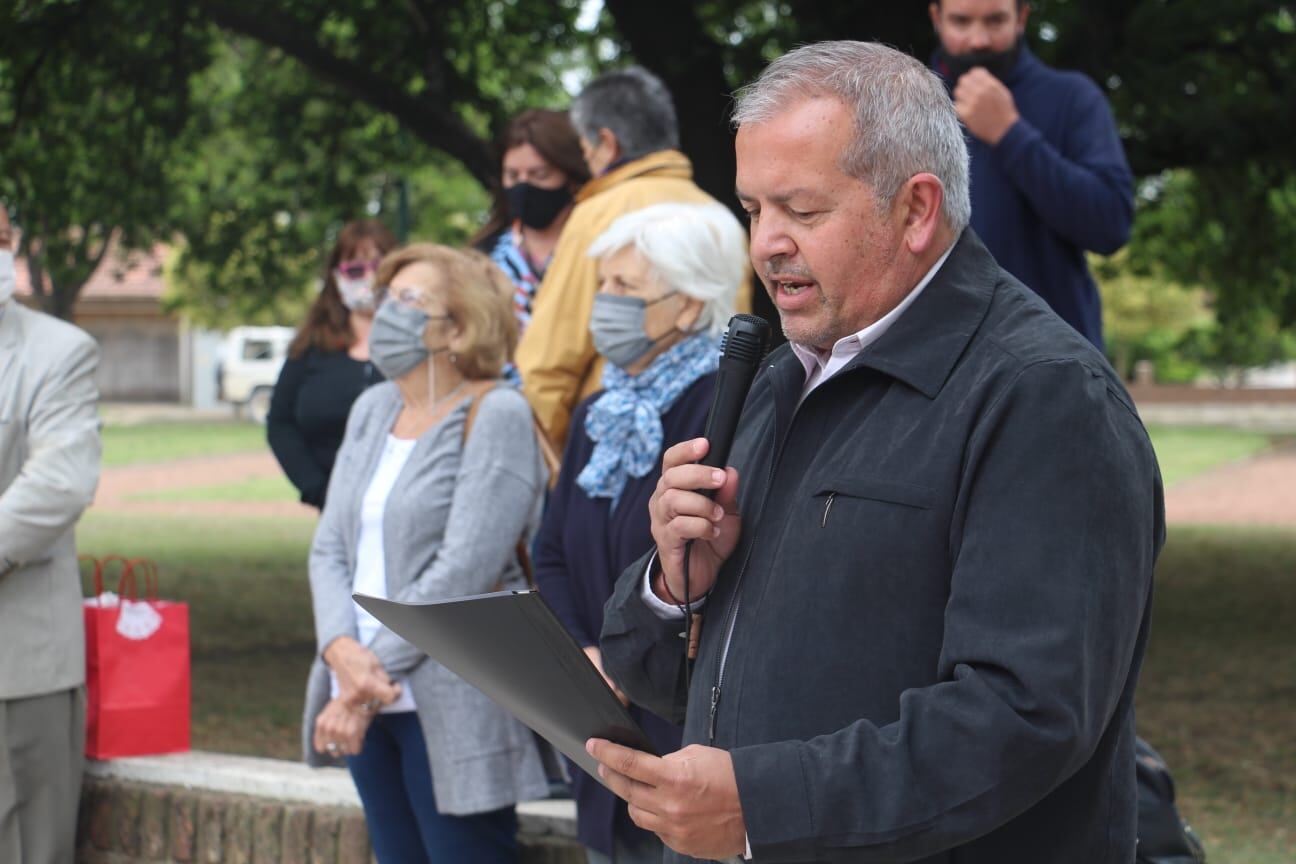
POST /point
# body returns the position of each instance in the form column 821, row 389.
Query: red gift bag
column 137, row 666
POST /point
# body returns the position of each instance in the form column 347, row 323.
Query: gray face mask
column 396, row 339
column 617, row 325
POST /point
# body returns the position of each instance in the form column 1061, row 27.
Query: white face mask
column 357, row 294
column 7, row 277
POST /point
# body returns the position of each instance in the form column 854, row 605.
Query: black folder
column 510, row 646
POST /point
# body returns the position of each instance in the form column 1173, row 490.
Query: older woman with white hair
column 668, row 278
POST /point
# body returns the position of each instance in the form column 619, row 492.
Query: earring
column 454, row 359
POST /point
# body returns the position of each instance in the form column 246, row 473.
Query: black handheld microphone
column 745, row 342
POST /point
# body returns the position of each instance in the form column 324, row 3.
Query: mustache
column 779, row 267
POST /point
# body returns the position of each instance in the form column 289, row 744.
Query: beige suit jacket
column 49, row 467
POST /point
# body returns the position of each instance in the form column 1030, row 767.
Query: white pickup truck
column 250, row 360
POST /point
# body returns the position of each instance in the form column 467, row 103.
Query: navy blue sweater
column 1055, row 186
column 583, row 546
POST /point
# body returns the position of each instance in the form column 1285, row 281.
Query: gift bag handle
column 149, row 568
column 127, row 582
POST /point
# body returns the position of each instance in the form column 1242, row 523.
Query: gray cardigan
column 450, row 529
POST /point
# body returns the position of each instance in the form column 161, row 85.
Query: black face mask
column 535, row 207
column 998, row 63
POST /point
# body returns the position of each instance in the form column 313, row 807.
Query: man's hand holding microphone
column 681, row 513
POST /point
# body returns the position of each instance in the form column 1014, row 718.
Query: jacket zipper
column 827, row 507
column 735, row 601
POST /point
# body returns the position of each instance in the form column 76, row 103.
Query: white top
column 371, row 571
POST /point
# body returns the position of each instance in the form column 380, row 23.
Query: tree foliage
column 276, row 161
column 253, row 128
column 82, row 157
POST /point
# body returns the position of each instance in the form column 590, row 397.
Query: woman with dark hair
column 328, row 362
column 541, row 170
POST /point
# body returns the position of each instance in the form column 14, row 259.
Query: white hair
column 699, row 250
column 904, row 119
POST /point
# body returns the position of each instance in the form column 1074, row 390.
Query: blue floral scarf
column 625, row 422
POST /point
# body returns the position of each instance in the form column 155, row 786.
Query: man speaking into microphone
column 925, row 579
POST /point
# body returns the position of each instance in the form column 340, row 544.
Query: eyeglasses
column 412, row 297
column 358, row 269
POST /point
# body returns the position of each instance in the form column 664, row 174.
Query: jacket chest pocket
column 855, row 492
column 871, row 517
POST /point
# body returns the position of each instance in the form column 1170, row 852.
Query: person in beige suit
column 49, row 466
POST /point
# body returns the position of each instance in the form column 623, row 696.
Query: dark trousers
column 395, row 784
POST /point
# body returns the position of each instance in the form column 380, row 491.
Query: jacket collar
column 923, row 345
column 662, row 163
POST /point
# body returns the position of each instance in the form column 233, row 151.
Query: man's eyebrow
column 779, row 198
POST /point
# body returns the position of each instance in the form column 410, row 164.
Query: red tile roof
column 122, row 274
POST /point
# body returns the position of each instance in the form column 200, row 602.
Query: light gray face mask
column 617, row 325
column 7, row 277
column 357, row 294
column 396, row 339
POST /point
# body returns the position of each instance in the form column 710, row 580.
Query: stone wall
column 190, row 809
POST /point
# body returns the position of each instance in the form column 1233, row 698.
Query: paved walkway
column 1256, row 491
column 118, row 486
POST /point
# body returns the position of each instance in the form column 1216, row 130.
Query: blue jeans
column 395, row 784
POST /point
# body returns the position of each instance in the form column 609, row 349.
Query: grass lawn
column 1218, row 692
column 250, row 617
column 158, row 442
column 1184, row 451
column 1217, row 697
column 276, row 488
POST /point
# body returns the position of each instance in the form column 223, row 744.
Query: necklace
column 437, row 403
column 411, row 424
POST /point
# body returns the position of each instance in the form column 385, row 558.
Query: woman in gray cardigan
column 417, row 510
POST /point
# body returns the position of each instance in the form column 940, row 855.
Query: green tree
column 1202, row 88
column 276, row 161
column 91, row 97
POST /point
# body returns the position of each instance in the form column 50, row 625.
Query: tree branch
column 51, row 43
column 432, row 120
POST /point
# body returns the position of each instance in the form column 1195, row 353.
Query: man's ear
column 920, row 200
column 933, row 12
column 608, row 141
column 1021, row 19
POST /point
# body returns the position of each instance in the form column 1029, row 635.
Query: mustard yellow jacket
column 557, row 359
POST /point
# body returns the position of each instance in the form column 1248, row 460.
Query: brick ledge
column 286, row 781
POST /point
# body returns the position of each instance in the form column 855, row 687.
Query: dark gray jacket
column 940, row 599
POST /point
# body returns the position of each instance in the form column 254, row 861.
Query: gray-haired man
column 927, row 582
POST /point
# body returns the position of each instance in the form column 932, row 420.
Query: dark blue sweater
column 583, row 546
column 1055, row 186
